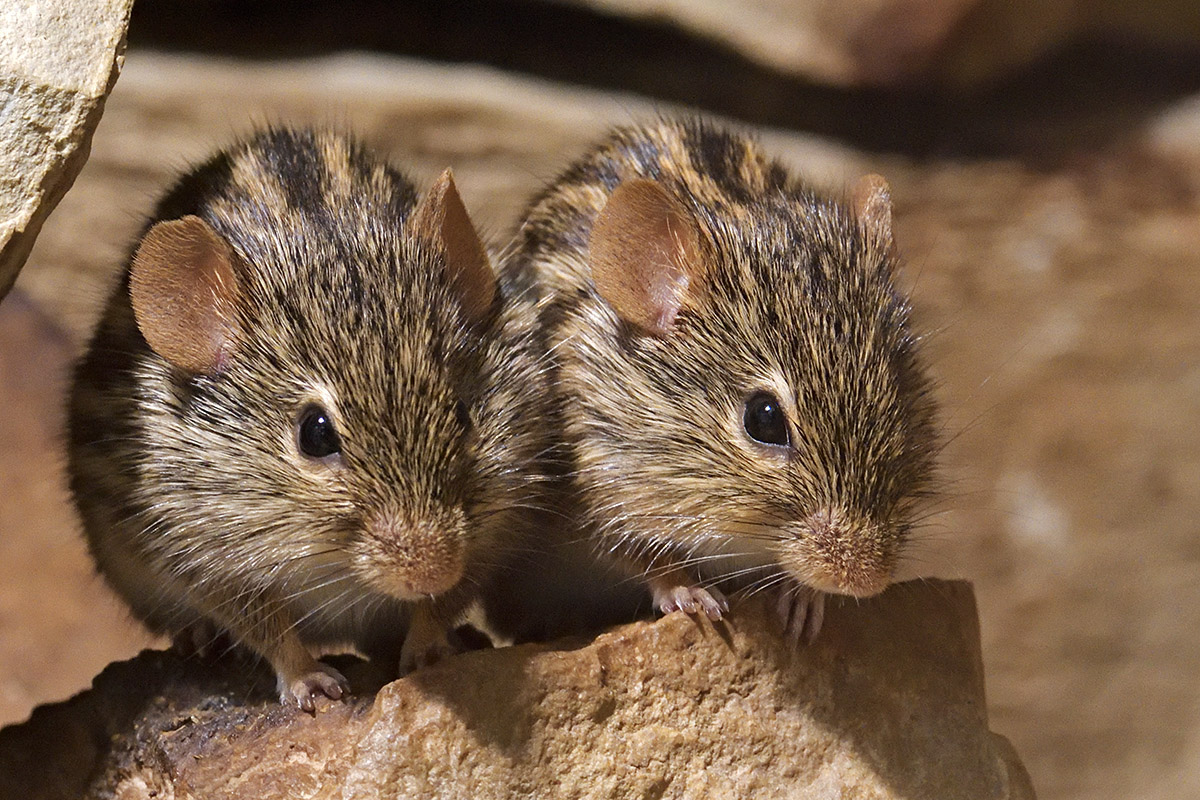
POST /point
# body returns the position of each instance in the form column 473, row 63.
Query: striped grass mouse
column 298, row 422
column 741, row 398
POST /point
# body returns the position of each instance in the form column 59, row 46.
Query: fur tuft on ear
column 871, row 199
column 644, row 255
column 441, row 218
column 182, row 287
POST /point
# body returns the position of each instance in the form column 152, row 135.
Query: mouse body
column 298, row 422
column 740, row 399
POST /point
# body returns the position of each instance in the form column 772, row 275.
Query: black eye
column 316, row 435
column 463, row 415
column 764, row 420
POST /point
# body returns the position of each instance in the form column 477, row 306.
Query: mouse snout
column 413, row 557
column 835, row 552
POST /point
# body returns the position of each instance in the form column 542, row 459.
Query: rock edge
column 888, row 703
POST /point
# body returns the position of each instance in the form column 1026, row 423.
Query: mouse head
column 322, row 348
column 757, row 392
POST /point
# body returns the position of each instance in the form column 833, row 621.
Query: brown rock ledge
column 889, row 703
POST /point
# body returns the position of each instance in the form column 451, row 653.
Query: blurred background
column 1045, row 162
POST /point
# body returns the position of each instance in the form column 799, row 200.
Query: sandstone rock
column 909, row 42
column 850, row 43
column 58, row 62
column 888, row 703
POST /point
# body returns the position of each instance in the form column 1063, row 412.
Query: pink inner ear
column 442, row 218
column 667, row 287
column 643, row 254
column 872, row 203
column 182, row 288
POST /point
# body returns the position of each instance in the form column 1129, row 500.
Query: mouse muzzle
column 413, row 557
column 836, row 552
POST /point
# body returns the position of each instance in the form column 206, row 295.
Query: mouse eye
column 765, row 421
column 315, row 434
column 463, row 415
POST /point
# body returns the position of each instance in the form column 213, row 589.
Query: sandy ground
column 1063, row 304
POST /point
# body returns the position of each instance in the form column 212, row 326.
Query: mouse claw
column 691, row 600
column 801, row 611
column 302, row 691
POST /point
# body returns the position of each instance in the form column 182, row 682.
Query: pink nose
column 839, row 554
column 432, row 578
column 856, row 583
column 417, row 558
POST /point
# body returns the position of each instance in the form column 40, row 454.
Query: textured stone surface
column 909, row 42
column 888, row 703
column 1062, row 287
column 58, row 61
column 841, row 43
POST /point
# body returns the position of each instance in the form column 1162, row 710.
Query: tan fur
column 871, row 199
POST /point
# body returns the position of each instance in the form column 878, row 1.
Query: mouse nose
column 411, row 558
column 840, row 554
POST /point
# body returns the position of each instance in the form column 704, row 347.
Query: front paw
column 422, row 651
column 801, row 611
column 302, row 690
column 200, row 639
column 690, row 600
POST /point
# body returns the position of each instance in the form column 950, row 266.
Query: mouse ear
column 182, row 288
column 872, row 202
column 441, row 218
column 644, row 255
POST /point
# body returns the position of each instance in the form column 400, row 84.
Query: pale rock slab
column 58, row 61
column 909, row 42
column 846, row 43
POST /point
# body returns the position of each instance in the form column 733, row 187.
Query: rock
column 849, row 43
column 58, row 61
column 888, row 703
column 910, row 42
